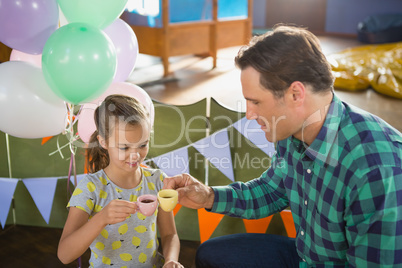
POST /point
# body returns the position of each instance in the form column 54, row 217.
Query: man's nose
column 251, row 114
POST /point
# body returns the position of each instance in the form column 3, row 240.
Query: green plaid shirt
column 344, row 191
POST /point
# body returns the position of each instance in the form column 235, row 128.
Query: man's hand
column 192, row 193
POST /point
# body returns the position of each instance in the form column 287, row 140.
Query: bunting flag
column 257, row 226
column 176, row 209
column 207, row 221
column 42, row 191
column 252, row 131
column 174, row 162
column 79, row 178
column 7, row 188
column 288, row 222
column 46, row 139
column 216, row 149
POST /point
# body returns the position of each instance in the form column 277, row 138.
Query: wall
column 259, row 7
column 342, row 16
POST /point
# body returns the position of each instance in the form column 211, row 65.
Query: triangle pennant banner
column 216, row 149
column 174, row 162
column 257, row 226
column 176, row 209
column 288, row 222
column 42, row 191
column 79, row 178
column 252, row 131
column 7, row 188
column 207, row 221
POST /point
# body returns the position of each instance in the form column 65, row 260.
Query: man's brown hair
column 284, row 55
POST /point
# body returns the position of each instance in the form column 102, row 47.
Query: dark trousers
column 248, row 250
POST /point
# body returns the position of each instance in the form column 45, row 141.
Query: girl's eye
column 144, row 145
column 123, row 148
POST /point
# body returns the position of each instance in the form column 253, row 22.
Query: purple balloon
column 25, row 25
column 126, row 44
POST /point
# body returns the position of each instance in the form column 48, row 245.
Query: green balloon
column 78, row 62
column 99, row 13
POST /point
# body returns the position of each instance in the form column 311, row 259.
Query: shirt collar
column 326, row 139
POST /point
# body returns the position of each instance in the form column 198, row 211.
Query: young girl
column 103, row 215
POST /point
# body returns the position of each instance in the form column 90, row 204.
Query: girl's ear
column 102, row 142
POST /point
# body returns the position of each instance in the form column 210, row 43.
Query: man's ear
column 296, row 93
column 102, row 142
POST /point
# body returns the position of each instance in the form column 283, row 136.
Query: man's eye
column 123, row 148
column 144, row 145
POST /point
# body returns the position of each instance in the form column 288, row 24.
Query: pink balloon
column 126, row 44
column 86, row 123
column 17, row 55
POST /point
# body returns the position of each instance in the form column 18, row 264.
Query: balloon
column 26, row 25
column 86, row 123
column 126, row 44
column 17, row 55
column 97, row 13
column 62, row 19
column 28, row 107
column 79, row 62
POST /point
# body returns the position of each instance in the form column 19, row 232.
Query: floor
column 192, row 79
column 36, row 247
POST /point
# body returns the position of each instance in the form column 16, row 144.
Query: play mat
column 375, row 66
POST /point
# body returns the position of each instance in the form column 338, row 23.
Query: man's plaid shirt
column 344, row 191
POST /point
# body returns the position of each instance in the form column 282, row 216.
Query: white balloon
column 28, row 107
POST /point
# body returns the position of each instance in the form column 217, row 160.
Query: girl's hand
column 117, row 211
column 172, row 264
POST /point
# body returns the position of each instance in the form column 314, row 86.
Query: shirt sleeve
column 254, row 199
column 374, row 219
column 83, row 196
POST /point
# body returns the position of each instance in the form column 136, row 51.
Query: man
column 337, row 167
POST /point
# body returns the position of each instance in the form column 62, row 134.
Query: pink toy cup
column 147, row 204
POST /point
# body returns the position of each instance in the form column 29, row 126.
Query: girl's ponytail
column 98, row 157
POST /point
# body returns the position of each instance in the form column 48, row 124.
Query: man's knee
column 203, row 254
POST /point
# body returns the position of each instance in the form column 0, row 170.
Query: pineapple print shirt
column 131, row 243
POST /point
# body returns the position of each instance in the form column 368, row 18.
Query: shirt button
column 308, row 171
column 305, row 202
column 302, row 232
column 304, row 260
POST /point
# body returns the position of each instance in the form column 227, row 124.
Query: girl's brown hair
column 114, row 107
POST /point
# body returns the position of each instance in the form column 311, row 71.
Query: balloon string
column 58, row 148
column 8, row 156
column 71, row 128
column 77, row 116
column 69, row 176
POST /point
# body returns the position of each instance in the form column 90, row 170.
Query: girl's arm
column 170, row 239
column 79, row 233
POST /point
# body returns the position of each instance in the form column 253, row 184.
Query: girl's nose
column 135, row 156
